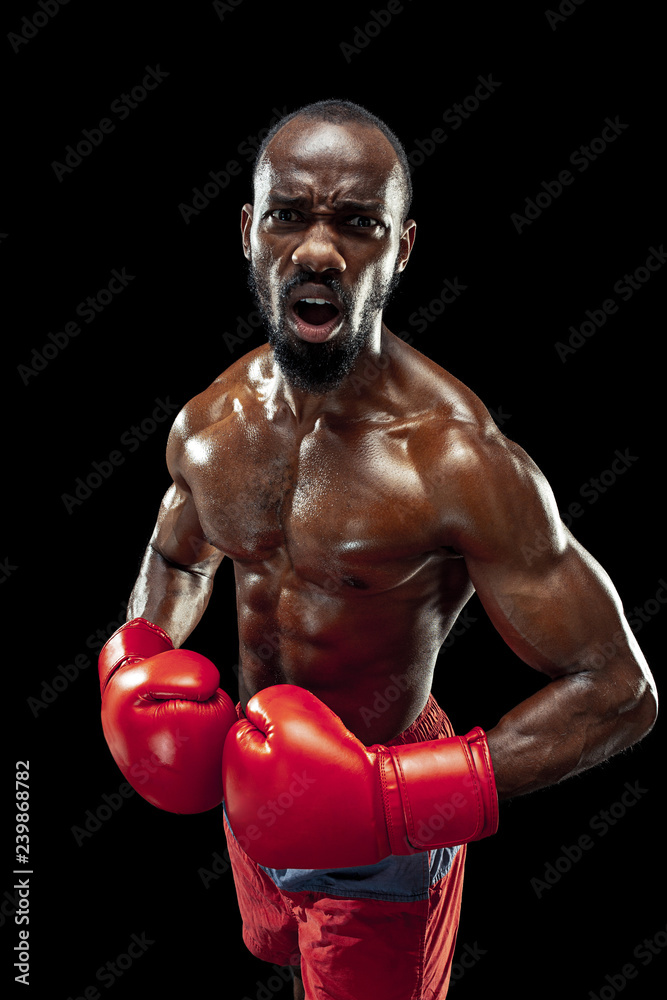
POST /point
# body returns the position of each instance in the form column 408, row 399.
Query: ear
column 406, row 245
column 246, row 223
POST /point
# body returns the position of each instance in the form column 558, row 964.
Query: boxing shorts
column 384, row 930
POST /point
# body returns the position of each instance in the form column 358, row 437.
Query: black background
column 68, row 568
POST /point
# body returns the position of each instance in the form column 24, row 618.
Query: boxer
column 363, row 494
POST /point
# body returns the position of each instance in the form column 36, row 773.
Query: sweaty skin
column 361, row 519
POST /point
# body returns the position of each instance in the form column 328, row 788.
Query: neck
column 347, row 397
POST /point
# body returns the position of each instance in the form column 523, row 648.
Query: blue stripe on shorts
column 398, row 878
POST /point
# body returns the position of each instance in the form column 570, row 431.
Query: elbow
column 632, row 706
column 643, row 709
column 648, row 709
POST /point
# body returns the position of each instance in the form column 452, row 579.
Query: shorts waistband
column 431, row 724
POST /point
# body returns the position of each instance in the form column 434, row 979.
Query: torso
column 346, row 584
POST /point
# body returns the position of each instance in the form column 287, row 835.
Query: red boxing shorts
column 385, row 930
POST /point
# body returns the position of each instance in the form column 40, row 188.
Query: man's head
column 329, row 222
column 342, row 112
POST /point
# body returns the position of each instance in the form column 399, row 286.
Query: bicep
column 549, row 599
column 178, row 536
column 561, row 614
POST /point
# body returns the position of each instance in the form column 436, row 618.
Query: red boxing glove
column 301, row 791
column 164, row 718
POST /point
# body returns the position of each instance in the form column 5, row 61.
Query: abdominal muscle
column 368, row 656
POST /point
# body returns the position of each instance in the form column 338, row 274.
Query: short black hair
column 339, row 112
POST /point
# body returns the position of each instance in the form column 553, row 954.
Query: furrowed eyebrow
column 286, row 199
column 363, row 206
column 343, row 206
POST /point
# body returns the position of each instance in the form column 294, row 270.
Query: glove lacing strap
column 393, row 804
column 132, row 642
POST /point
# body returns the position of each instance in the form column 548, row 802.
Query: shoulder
column 202, row 415
column 486, row 487
column 428, row 390
column 500, row 500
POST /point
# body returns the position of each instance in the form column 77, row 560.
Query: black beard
column 318, row 368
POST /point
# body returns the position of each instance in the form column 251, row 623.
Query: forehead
column 330, row 161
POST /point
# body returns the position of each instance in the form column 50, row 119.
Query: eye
column 284, row 215
column 362, row 222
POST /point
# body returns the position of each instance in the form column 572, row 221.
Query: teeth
column 316, row 302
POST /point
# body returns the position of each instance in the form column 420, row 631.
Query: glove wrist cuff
column 442, row 793
column 135, row 640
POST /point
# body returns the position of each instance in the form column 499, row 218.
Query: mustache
column 305, row 277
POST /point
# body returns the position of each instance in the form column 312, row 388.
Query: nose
column 317, row 251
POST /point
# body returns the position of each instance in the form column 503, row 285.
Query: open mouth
column 315, row 319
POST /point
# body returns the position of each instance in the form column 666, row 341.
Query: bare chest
column 351, row 506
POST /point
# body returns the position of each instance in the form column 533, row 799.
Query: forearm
column 574, row 723
column 171, row 596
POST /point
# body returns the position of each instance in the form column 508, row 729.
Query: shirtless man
column 363, row 494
